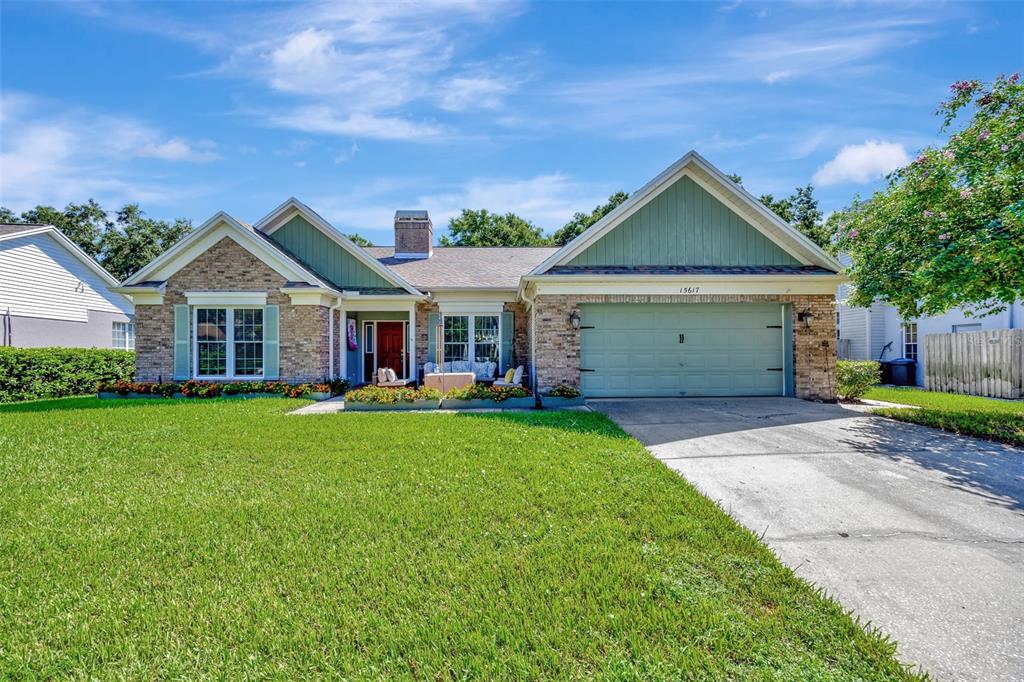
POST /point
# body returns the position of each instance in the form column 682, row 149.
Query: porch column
column 343, row 345
column 411, row 345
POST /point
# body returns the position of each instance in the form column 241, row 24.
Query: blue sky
column 541, row 109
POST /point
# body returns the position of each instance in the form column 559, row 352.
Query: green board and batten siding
column 684, row 225
column 325, row 257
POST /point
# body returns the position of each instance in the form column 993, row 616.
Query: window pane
column 368, row 337
column 248, row 333
column 486, row 338
column 211, row 338
column 456, row 338
column 130, row 336
column 119, row 340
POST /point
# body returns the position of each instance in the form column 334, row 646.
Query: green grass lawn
column 998, row 420
column 226, row 539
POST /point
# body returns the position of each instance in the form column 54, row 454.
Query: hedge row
column 32, row 373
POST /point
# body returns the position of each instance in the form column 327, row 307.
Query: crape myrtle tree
column 948, row 230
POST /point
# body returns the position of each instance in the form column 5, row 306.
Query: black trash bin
column 886, row 372
column 904, row 372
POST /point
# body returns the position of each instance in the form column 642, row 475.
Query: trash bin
column 886, row 372
column 904, row 372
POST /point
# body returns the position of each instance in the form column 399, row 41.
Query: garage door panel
column 728, row 349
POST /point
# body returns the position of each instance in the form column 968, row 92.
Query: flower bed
column 212, row 389
column 482, row 396
column 561, row 396
column 380, row 398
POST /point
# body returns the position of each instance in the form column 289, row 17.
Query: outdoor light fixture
column 574, row 319
column 807, row 317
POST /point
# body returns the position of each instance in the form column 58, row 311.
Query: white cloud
column 862, row 163
column 322, row 119
column 473, row 92
column 56, row 158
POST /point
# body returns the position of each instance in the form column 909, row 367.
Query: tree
column 948, row 229
column 83, row 224
column 358, row 239
column 483, row 228
column 781, row 207
column 581, row 221
column 134, row 240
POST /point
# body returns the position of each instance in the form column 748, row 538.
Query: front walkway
column 919, row 531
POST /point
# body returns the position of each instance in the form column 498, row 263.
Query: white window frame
column 471, row 341
column 230, row 334
column 129, row 335
column 905, row 328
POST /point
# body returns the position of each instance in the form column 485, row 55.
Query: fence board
column 987, row 363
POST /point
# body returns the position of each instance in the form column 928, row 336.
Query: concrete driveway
column 919, row 531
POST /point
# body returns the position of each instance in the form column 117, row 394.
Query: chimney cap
column 412, row 215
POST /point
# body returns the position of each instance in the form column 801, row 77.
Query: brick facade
column 226, row 266
column 814, row 348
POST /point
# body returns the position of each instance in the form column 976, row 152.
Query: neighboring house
column 879, row 332
column 691, row 287
column 53, row 294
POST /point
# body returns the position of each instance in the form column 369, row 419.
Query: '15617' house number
column 689, row 290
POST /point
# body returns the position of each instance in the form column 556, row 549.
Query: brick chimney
column 414, row 234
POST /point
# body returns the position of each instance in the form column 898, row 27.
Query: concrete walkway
column 919, row 531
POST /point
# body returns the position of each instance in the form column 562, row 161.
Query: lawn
column 998, row 420
column 177, row 539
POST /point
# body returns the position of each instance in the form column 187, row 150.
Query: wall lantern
column 807, row 317
column 574, row 319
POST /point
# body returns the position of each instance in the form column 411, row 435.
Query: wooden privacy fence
column 988, row 363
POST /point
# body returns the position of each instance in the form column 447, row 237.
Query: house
column 53, row 294
column 690, row 288
column 879, row 332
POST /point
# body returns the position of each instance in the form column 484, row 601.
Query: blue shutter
column 507, row 334
column 181, row 342
column 433, row 319
column 271, row 343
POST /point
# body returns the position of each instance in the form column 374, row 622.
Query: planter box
column 556, row 402
column 527, row 403
column 319, row 395
column 391, row 407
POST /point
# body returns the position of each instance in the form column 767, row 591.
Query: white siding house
column 53, row 294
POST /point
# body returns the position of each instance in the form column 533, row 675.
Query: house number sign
column 689, row 290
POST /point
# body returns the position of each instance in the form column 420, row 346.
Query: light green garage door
column 633, row 350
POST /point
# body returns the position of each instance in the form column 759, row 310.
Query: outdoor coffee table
column 446, row 381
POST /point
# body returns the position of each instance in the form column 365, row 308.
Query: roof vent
column 414, row 234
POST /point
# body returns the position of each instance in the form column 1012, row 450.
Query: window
column 910, row 340
column 486, row 338
column 368, row 338
column 964, row 328
column 229, row 342
column 456, row 338
column 124, row 335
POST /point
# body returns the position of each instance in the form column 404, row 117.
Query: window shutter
column 181, row 341
column 433, row 319
column 271, row 343
column 507, row 333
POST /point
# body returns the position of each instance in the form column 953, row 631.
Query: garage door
column 681, row 350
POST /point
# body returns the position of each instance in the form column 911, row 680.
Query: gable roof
column 11, row 232
column 217, row 227
column 734, row 196
column 465, row 267
column 292, row 207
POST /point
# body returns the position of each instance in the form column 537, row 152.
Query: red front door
column 391, row 346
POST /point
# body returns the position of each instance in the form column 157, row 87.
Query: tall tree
column 581, row 221
column 135, row 240
column 782, row 207
column 948, row 229
column 83, row 224
column 483, row 228
column 358, row 239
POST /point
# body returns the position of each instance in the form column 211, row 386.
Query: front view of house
column 690, row 288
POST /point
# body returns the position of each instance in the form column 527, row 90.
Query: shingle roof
column 690, row 270
column 457, row 267
column 6, row 230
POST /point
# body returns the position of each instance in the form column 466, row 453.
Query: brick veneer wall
column 814, row 348
column 226, row 266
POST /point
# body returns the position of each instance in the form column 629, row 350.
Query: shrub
column 381, row 395
column 32, row 373
column 212, row 389
column 855, row 377
column 485, row 392
column 564, row 391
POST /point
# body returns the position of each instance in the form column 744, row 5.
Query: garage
column 687, row 349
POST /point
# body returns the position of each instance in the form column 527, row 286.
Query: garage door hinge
column 774, row 369
column 773, row 326
column 587, row 370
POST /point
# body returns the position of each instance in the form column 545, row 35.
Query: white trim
column 772, row 226
column 470, row 340
column 226, row 298
column 471, row 307
column 307, row 297
column 410, row 350
column 293, row 207
column 380, row 304
column 685, row 284
column 229, row 333
column 142, row 295
column 209, row 233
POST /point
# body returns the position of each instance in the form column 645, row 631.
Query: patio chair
column 386, row 377
column 517, row 378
